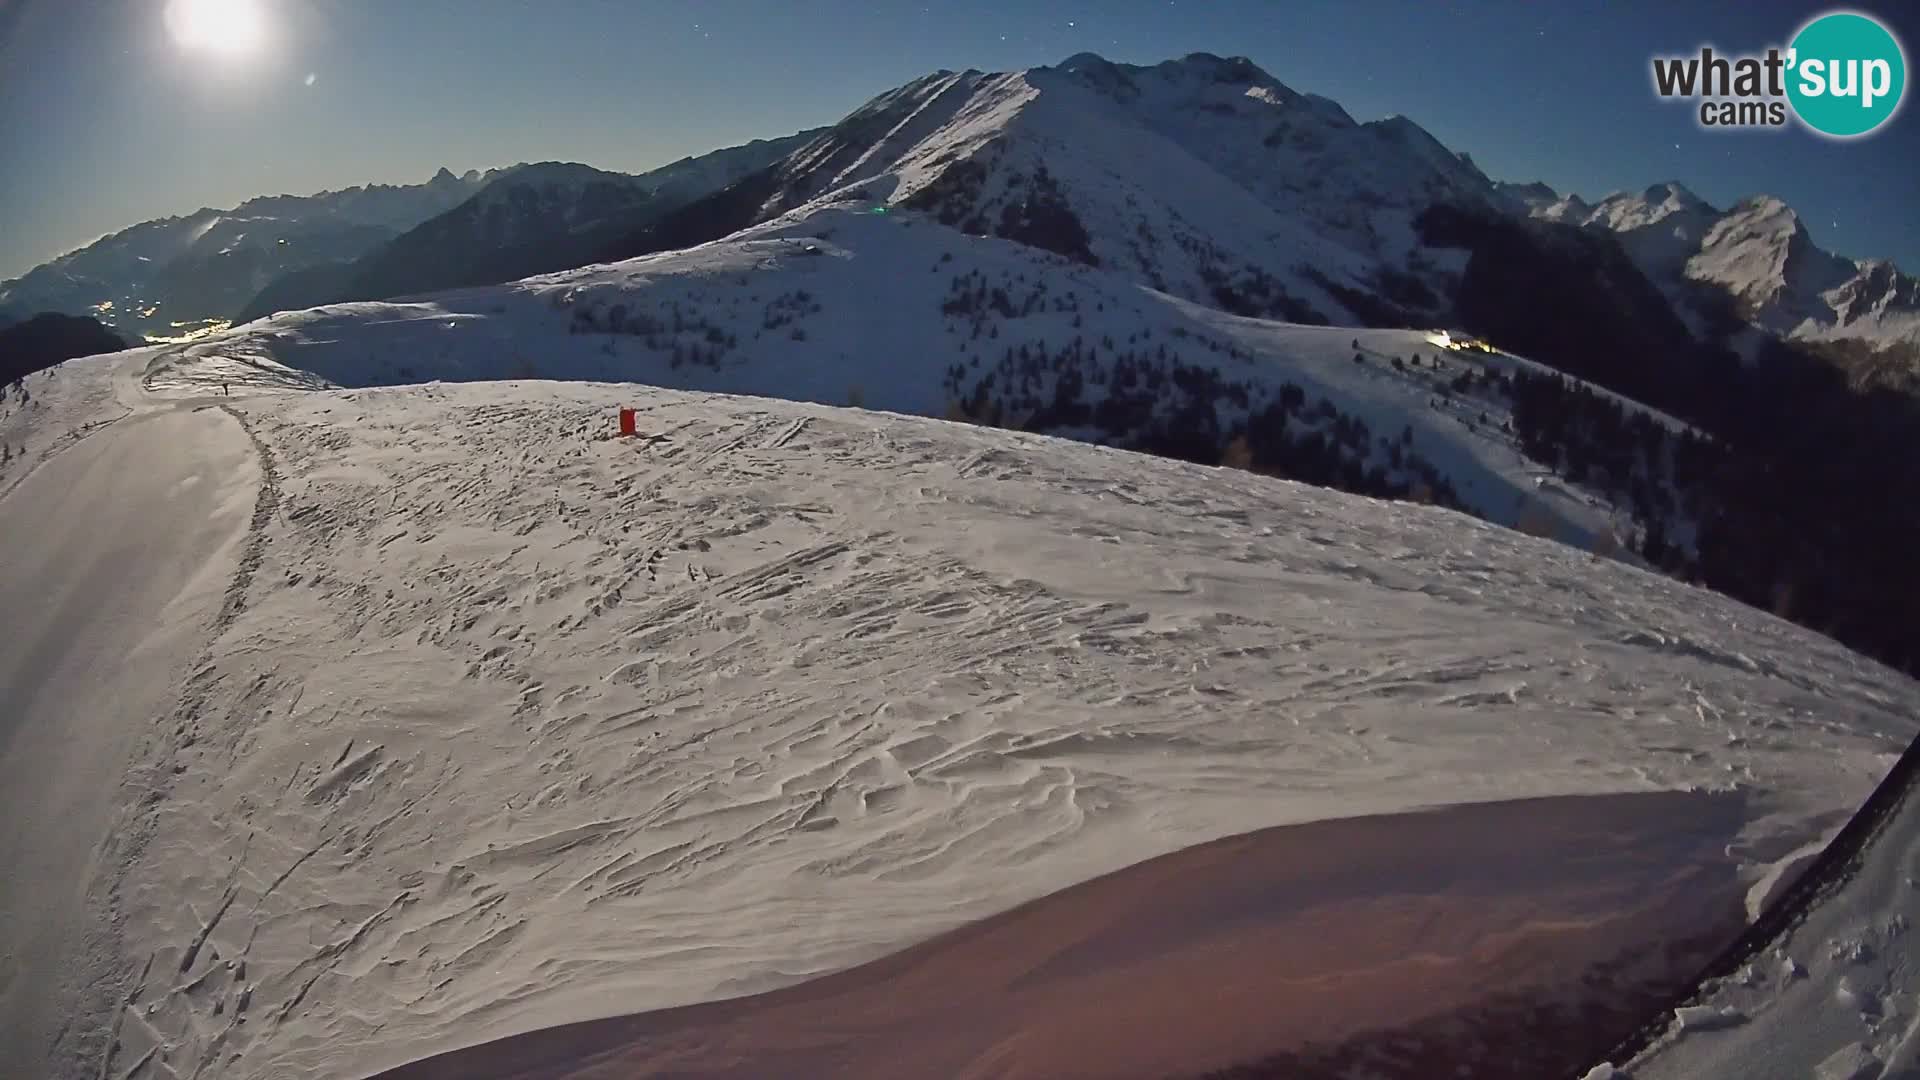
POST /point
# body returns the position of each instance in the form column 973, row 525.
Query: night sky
column 106, row 120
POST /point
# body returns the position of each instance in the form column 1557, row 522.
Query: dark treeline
column 1166, row 397
column 1808, row 493
column 47, row 339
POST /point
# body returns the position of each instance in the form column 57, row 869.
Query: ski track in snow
column 518, row 723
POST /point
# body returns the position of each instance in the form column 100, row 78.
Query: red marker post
column 628, row 423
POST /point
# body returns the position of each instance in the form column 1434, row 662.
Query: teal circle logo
column 1846, row 74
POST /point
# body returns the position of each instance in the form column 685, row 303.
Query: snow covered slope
column 515, row 724
column 836, row 303
column 694, row 176
column 1757, row 257
column 1360, row 947
column 207, row 265
column 1203, row 177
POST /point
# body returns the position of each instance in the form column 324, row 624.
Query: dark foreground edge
column 1168, row 966
column 1835, row 866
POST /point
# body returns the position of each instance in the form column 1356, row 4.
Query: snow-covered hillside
column 205, row 266
column 1757, row 256
column 508, row 722
column 840, row 302
column 1203, row 177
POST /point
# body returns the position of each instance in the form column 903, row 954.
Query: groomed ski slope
column 113, row 561
column 520, row 724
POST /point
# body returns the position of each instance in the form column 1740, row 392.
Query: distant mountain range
column 1750, row 269
column 1203, row 177
column 283, row 251
column 207, row 265
column 529, row 219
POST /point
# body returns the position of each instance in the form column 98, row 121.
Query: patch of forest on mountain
column 1806, row 495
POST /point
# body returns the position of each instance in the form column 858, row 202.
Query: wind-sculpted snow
column 519, row 724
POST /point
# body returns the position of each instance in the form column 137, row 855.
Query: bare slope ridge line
column 1319, row 938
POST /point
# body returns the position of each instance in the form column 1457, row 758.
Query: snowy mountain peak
column 1087, row 62
column 1669, row 203
column 550, row 173
column 1621, row 211
column 1757, row 253
column 1674, row 194
column 1203, row 176
column 1762, row 223
column 1457, row 170
column 1224, row 69
column 1114, row 80
column 1767, row 208
column 1195, row 70
column 1569, row 209
column 1534, row 198
column 1761, row 253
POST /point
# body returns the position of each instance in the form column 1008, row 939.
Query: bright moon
column 228, row 27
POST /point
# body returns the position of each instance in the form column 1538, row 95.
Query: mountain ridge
column 205, row 265
column 1337, row 196
column 523, row 220
column 1045, row 156
column 1757, row 261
